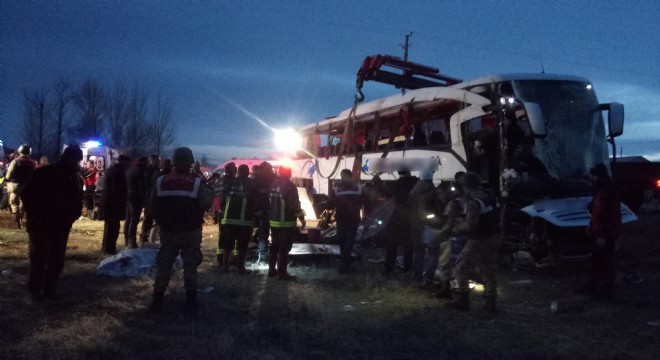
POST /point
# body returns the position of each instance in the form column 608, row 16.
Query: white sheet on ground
column 132, row 263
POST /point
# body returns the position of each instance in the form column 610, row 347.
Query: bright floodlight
column 288, row 140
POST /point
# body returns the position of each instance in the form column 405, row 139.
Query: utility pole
column 405, row 47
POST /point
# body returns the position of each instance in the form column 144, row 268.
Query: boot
column 191, row 300
column 272, row 260
column 225, row 261
column 157, row 304
column 18, row 220
column 132, row 243
column 240, row 261
column 462, row 301
column 281, row 269
column 490, row 307
column 444, row 291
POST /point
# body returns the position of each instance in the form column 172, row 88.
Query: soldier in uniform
column 481, row 248
column 18, row 174
column 178, row 202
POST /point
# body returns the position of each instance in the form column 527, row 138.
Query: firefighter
column 91, row 179
column 238, row 217
column 219, row 192
column 178, row 203
column 347, row 199
column 481, row 248
column 53, row 201
column 605, row 229
column 18, row 174
column 284, row 210
column 113, row 202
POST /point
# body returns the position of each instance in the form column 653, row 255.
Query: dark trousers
column 47, row 247
column 424, row 265
column 603, row 273
column 282, row 240
column 89, row 197
column 133, row 212
column 346, row 232
column 394, row 239
column 236, row 234
column 110, row 235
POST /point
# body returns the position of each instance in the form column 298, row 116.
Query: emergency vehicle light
column 92, row 144
column 657, row 184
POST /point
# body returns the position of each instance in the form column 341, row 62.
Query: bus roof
column 436, row 93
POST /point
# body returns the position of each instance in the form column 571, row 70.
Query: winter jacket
column 239, row 203
column 347, row 199
column 114, row 193
column 178, row 202
column 284, row 204
column 53, row 197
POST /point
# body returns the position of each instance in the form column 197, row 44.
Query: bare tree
column 90, row 102
column 137, row 127
column 36, row 119
column 63, row 96
column 163, row 127
column 117, row 116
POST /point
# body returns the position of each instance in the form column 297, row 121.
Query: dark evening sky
column 294, row 62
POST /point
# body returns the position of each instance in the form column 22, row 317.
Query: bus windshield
column 575, row 129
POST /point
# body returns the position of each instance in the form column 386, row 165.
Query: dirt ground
column 323, row 315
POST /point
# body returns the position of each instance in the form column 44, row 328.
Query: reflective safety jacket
column 178, row 202
column 239, row 203
column 284, row 204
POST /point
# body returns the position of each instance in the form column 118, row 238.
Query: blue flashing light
column 93, row 144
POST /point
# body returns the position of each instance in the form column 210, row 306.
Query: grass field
column 322, row 315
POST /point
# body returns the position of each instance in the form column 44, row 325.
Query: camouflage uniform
column 189, row 243
column 477, row 253
column 18, row 173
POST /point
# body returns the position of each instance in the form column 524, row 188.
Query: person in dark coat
column 136, row 198
column 398, row 231
column 347, row 199
column 605, row 229
column 114, row 203
column 53, row 201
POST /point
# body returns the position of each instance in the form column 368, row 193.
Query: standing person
column 136, row 185
column 238, row 217
column 398, row 230
column 481, row 248
column 376, row 195
column 219, row 192
column 113, row 201
column 197, row 171
column 178, row 203
column 264, row 179
column 449, row 213
column 53, row 201
column 18, row 174
column 151, row 173
column 421, row 206
column 284, row 210
column 605, row 229
column 91, row 179
column 346, row 198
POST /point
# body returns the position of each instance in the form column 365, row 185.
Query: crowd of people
column 451, row 227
